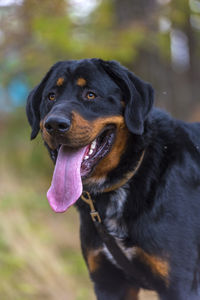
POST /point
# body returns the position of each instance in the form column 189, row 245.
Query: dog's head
column 86, row 110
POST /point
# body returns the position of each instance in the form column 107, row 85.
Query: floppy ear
column 33, row 105
column 138, row 95
column 32, row 110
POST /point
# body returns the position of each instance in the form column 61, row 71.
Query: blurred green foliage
column 40, row 256
column 47, row 32
column 28, row 158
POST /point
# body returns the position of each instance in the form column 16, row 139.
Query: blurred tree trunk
column 186, row 84
column 148, row 65
column 194, row 70
column 128, row 11
column 176, row 91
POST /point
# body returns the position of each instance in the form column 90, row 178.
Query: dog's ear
column 33, row 105
column 138, row 95
column 32, row 110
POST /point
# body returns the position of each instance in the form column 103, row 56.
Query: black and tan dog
column 141, row 168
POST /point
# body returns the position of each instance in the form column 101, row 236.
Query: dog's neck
column 116, row 197
column 114, row 220
column 125, row 171
column 126, row 177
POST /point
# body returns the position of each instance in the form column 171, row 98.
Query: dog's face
column 89, row 107
column 81, row 107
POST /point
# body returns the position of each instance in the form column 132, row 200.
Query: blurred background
column 158, row 39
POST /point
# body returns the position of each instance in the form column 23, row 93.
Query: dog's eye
column 52, row 96
column 90, row 96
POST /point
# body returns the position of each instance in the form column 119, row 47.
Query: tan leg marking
column 158, row 265
column 93, row 260
column 132, row 294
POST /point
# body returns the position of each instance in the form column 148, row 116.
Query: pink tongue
column 66, row 186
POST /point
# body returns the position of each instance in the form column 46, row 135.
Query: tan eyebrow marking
column 81, row 81
column 60, row 81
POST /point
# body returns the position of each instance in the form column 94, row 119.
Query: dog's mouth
column 97, row 150
column 73, row 165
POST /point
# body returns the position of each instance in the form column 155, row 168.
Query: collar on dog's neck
column 87, row 198
column 128, row 176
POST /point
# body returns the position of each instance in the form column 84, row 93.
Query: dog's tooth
column 90, row 152
column 86, row 157
column 93, row 145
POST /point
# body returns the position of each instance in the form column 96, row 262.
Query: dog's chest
column 116, row 224
column 114, row 220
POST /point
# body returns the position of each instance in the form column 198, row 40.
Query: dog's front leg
column 119, row 294
column 109, row 281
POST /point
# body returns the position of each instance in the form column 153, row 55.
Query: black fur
column 160, row 213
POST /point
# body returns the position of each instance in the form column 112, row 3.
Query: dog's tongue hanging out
column 66, row 186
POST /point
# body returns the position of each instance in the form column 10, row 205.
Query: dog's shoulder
column 183, row 136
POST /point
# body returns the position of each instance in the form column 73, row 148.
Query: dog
column 140, row 168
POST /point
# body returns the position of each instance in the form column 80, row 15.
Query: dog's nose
column 55, row 124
